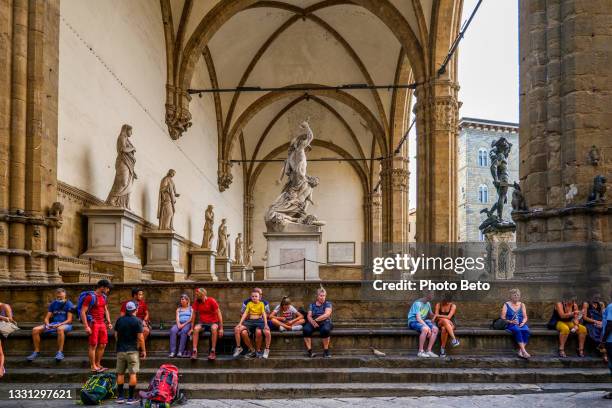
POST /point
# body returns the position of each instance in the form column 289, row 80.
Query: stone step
column 338, row 375
column 279, row 360
column 338, row 390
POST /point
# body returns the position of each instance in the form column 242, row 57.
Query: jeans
column 325, row 328
column 609, row 351
column 183, row 334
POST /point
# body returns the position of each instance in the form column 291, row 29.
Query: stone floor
column 552, row 400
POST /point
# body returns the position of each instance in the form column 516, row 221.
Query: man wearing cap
column 206, row 309
column 129, row 336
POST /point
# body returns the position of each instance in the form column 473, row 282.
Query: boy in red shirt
column 96, row 320
column 143, row 310
column 210, row 319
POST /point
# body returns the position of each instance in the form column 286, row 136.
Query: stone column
column 394, row 182
column 6, row 50
column 249, row 206
column 565, row 128
column 376, row 212
column 437, row 128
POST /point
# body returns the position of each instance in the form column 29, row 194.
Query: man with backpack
column 93, row 312
column 57, row 322
column 130, row 338
column 143, row 310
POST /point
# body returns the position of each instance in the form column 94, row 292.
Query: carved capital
column 178, row 117
column 224, row 175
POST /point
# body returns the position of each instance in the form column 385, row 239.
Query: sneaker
column 33, row 356
column 431, row 354
column 259, row 354
column 455, row 342
column 59, row 356
column 237, row 352
column 423, row 354
column 281, row 329
column 297, row 327
column 326, row 354
column 171, row 355
column 212, row 356
column 442, row 352
column 266, row 353
column 251, row 354
column 310, row 354
column 120, row 400
column 133, row 401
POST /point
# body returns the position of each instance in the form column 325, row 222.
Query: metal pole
column 304, row 261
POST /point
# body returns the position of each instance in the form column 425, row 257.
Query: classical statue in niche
column 500, row 150
column 598, row 192
column 238, row 250
column 209, row 220
column 594, row 156
column 291, row 205
column 166, row 202
column 119, row 195
column 518, row 199
column 248, row 260
column 222, row 240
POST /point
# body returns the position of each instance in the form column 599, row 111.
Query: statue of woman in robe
column 209, row 220
column 167, row 199
column 119, row 195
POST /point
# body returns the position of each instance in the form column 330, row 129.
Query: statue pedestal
column 203, row 265
column 289, row 248
column 249, row 274
column 163, row 256
column 239, row 273
column 111, row 237
column 223, row 268
column 500, row 251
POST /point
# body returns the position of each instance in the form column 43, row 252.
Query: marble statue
column 167, row 199
column 500, row 150
column 119, row 195
column 222, row 240
column 209, row 220
column 238, row 250
column 291, row 205
column 248, row 260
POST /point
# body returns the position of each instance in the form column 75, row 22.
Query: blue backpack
column 82, row 297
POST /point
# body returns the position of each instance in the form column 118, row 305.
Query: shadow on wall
column 87, row 167
column 145, row 203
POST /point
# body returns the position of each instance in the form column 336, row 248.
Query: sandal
column 580, row 353
column 101, row 369
column 562, row 353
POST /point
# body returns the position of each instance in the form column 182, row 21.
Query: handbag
column 499, row 324
column 7, row 328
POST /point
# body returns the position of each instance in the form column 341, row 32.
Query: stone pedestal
column 239, row 273
column 250, row 274
column 111, row 237
column 203, row 265
column 223, row 269
column 500, row 251
column 290, row 248
column 163, row 256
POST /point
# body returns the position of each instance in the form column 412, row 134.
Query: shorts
column 253, row 325
column 415, row 325
column 128, row 361
column 99, row 334
column 206, row 327
column 53, row 332
column 324, row 329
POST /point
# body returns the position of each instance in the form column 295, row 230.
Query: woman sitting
column 6, row 315
column 286, row 317
column 444, row 316
column 514, row 313
column 592, row 312
column 181, row 328
column 567, row 316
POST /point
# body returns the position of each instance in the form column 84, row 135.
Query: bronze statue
column 598, row 192
column 518, row 199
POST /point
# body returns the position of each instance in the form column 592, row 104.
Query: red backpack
column 164, row 386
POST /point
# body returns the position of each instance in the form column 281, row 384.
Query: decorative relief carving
column 178, row 117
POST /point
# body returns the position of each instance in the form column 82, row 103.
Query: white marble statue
column 222, row 240
column 167, row 200
column 238, row 250
column 248, row 260
column 291, row 205
column 209, row 220
column 119, row 195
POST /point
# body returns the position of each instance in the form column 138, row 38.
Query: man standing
column 96, row 319
column 143, row 310
column 128, row 332
column 606, row 339
column 58, row 321
column 210, row 319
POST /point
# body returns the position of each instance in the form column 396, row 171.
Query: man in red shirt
column 210, row 319
column 143, row 310
column 96, row 319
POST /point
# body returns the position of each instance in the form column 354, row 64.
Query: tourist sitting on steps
column 6, row 315
column 592, row 312
column 253, row 320
column 57, row 322
column 143, row 310
column 181, row 328
column 514, row 313
column 444, row 316
column 266, row 332
column 129, row 336
column 286, row 317
column 566, row 318
column 419, row 319
column 206, row 309
column 606, row 340
column 319, row 319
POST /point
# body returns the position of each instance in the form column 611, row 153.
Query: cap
column 130, row 306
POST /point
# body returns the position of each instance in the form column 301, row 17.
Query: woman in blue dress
column 592, row 316
column 514, row 313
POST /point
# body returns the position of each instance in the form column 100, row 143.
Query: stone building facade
column 475, row 183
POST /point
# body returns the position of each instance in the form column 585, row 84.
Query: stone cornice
column 490, row 125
